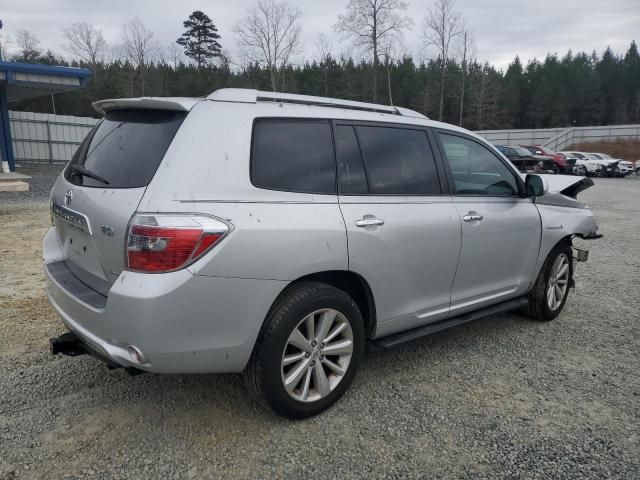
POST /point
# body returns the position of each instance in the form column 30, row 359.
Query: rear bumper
column 182, row 323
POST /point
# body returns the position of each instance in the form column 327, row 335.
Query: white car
column 593, row 166
column 625, row 167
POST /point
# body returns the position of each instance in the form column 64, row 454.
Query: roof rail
column 254, row 96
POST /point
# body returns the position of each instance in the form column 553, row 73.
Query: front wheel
column 308, row 354
column 550, row 292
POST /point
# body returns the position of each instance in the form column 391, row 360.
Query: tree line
column 454, row 86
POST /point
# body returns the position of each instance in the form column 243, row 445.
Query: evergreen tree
column 200, row 39
column 575, row 90
column 631, row 75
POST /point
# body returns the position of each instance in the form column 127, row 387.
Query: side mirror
column 535, row 186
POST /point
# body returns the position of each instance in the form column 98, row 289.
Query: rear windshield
column 523, row 152
column 125, row 148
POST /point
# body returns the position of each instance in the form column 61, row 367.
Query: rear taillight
column 163, row 243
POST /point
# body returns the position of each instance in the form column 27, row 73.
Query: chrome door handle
column 472, row 218
column 369, row 222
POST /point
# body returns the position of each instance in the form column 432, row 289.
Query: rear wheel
column 308, row 354
column 550, row 292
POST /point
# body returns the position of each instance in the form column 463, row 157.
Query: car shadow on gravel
column 211, row 397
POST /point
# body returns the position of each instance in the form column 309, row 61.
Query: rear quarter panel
column 276, row 235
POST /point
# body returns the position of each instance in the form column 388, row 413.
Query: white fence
column 560, row 138
column 43, row 137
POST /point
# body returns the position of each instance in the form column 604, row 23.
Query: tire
column 541, row 307
column 266, row 372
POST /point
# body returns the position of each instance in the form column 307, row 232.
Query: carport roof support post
column 6, row 149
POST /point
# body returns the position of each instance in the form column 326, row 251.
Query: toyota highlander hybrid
column 277, row 235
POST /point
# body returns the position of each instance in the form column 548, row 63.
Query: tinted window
column 475, row 170
column 294, row 156
column 398, row 161
column 523, row 152
column 352, row 175
column 126, row 148
column 508, row 151
column 535, row 150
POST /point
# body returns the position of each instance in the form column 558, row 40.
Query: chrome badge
column 68, row 197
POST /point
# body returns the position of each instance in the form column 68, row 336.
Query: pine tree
column 631, row 70
column 200, row 39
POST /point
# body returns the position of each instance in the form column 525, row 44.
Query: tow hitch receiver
column 67, row 344
column 581, row 255
column 71, row 345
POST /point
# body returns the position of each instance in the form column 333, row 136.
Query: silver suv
column 277, row 235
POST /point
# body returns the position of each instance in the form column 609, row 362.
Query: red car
column 563, row 164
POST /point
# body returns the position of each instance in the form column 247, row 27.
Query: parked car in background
column 563, row 164
column 624, row 167
column 592, row 167
column 275, row 234
column 578, row 168
column 525, row 161
column 608, row 167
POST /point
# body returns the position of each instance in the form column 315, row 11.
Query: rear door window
column 125, row 148
column 293, row 156
column 398, row 161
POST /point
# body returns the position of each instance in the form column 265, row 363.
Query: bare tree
column 85, row 42
column 138, row 45
column 390, row 57
column 480, row 99
column 28, row 46
column 174, row 54
column 323, row 46
column 441, row 27
column 5, row 45
column 467, row 47
column 369, row 23
column 323, row 49
column 269, row 35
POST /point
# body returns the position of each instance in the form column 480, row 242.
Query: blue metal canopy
column 19, row 81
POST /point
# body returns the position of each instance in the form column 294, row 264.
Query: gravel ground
column 42, row 177
column 500, row 398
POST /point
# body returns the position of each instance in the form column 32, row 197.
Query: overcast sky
column 502, row 28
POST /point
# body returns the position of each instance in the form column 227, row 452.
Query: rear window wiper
column 78, row 170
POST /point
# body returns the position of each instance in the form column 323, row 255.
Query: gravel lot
column 501, row 398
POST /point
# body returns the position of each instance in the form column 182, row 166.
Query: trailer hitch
column 67, row 344
column 71, row 345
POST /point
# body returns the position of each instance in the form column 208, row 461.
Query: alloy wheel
column 317, row 354
column 558, row 282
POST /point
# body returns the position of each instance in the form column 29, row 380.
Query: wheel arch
column 349, row 282
column 546, row 250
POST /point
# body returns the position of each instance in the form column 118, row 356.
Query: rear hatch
column 102, row 186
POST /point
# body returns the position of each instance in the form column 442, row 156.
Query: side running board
column 394, row 340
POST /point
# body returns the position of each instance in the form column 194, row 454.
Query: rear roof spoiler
column 180, row 104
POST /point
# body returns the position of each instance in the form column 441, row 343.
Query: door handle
column 369, row 221
column 472, row 217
